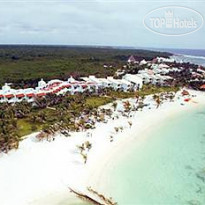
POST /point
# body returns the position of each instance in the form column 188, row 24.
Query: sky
column 93, row 22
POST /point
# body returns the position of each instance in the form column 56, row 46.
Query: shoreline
column 44, row 171
column 119, row 152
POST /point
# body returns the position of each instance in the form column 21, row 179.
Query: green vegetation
column 26, row 63
column 26, row 126
column 150, row 89
column 96, row 101
column 58, row 113
column 39, row 119
column 120, row 95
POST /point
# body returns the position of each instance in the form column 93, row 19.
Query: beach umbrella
column 185, row 92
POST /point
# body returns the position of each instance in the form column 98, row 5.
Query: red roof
column 67, row 86
column 58, row 89
column 202, row 87
column 30, row 95
column 20, row 95
column 154, row 60
column 72, row 82
column 40, row 94
column 56, row 83
column 132, row 58
column 185, row 92
column 1, row 96
column 55, row 91
column 46, row 89
column 84, row 86
column 91, row 83
column 9, row 96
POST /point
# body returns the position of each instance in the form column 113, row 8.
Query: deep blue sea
column 195, row 56
column 190, row 52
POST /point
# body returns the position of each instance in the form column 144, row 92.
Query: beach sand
column 40, row 173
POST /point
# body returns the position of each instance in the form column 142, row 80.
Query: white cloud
column 86, row 22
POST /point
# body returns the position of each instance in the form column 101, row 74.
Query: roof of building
column 30, row 94
column 125, row 81
column 9, row 95
column 202, row 86
column 133, row 78
column 20, row 95
column 133, row 58
column 41, row 94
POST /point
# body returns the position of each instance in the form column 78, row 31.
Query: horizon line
column 97, row 46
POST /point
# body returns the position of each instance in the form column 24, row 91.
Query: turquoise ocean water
column 166, row 168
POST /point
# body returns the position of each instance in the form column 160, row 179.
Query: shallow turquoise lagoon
column 166, row 168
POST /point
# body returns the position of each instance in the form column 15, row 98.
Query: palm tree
column 114, row 105
column 88, row 145
column 130, row 123
column 41, row 136
column 157, row 100
column 111, row 138
column 137, row 97
column 81, row 148
column 116, row 129
column 127, row 106
column 85, row 157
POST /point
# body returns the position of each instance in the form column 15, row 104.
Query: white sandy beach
column 39, row 173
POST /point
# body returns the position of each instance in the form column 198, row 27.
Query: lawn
column 150, row 89
column 25, row 127
column 97, row 101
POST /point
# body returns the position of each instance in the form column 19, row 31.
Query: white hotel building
column 155, row 75
column 72, row 86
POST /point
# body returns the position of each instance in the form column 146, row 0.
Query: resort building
column 132, row 60
column 165, row 60
column 116, row 84
column 143, row 62
column 105, row 83
column 155, row 79
column 135, row 80
column 201, row 71
column 72, row 86
column 156, row 73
